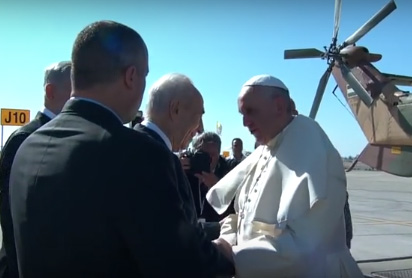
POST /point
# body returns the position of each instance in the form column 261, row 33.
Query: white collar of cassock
column 155, row 128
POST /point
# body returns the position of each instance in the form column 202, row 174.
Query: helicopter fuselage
column 389, row 119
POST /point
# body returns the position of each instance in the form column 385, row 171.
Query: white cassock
column 289, row 219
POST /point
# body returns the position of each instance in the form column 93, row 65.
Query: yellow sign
column 15, row 117
column 226, row 154
column 396, row 150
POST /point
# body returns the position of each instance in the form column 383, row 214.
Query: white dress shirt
column 152, row 126
column 48, row 113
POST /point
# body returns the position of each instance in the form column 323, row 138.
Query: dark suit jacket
column 212, row 230
column 87, row 201
column 8, row 259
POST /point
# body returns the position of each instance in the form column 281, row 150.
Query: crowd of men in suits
column 84, row 196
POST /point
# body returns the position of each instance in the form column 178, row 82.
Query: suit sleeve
column 152, row 222
column 7, row 156
column 211, row 229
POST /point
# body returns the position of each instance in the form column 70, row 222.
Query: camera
column 199, row 162
column 138, row 119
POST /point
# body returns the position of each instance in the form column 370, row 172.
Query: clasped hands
column 224, row 247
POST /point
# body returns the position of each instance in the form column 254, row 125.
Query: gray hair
column 169, row 87
column 206, row 137
column 55, row 72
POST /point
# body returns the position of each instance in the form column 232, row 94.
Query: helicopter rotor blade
column 356, row 85
column 371, row 23
column 338, row 8
column 303, row 53
column 319, row 92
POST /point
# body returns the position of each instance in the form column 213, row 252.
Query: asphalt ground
column 381, row 207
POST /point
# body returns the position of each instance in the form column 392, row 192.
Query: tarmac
column 381, row 207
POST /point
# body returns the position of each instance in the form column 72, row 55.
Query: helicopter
column 382, row 110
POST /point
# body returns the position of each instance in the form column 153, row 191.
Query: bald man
column 290, row 193
column 174, row 115
column 57, row 88
column 174, row 111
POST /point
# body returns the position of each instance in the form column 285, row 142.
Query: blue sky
column 218, row 44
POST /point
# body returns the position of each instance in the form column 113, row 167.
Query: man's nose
column 200, row 128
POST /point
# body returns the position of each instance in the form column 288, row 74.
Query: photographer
column 206, row 147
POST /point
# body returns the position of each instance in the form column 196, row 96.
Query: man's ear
column 281, row 106
column 174, row 109
column 130, row 76
column 49, row 89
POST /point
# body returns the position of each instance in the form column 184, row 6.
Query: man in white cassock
column 290, row 193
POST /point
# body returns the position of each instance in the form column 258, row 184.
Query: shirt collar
column 48, row 113
column 155, row 128
column 98, row 103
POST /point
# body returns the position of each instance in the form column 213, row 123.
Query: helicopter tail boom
column 400, row 80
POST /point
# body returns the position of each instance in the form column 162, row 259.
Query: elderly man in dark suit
column 57, row 88
column 174, row 116
column 93, row 198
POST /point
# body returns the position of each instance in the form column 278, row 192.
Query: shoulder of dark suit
column 30, row 127
column 26, row 130
column 141, row 143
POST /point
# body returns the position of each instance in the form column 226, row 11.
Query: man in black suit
column 237, row 153
column 57, row 88
column 93, row 198
column 174, row 116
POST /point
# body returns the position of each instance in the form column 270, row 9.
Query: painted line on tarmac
column 377, row 221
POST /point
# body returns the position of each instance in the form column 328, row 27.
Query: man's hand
column 224, row 247
column 207, row 179
column 185, row 161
